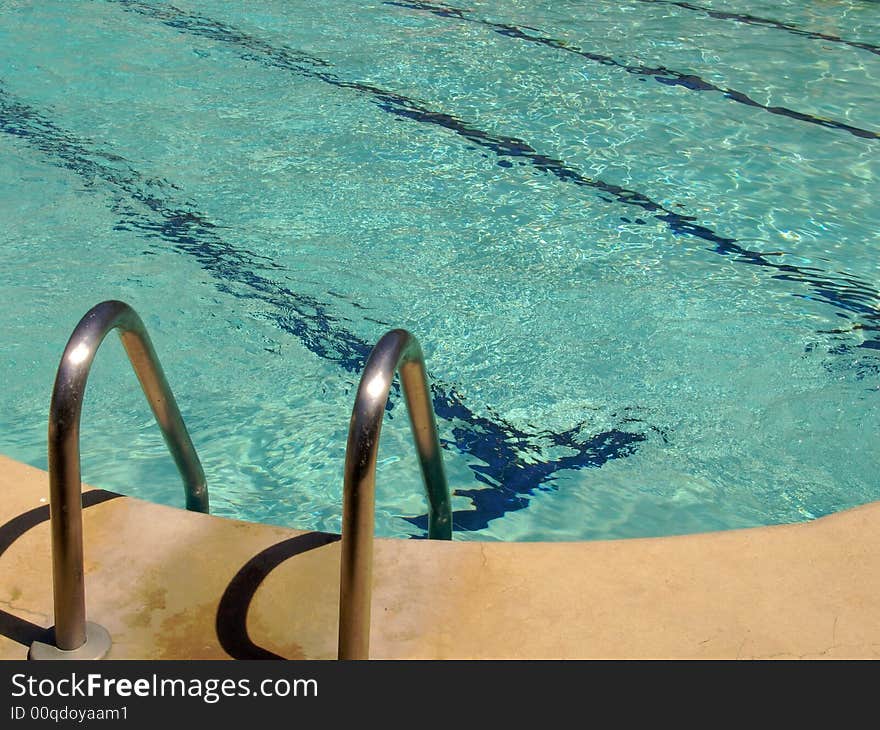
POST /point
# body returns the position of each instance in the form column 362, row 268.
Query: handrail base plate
column 96, row 646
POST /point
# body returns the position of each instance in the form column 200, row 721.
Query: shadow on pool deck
column 168, row 583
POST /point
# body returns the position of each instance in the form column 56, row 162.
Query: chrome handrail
column 397, row 351
column 74, row 637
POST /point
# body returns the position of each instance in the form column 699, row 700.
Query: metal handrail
column 74, row 637
column 397, row 351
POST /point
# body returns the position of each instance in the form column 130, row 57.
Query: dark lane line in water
column 512, row 467
column 767, row 23
column 661, row 74
column 843, row 291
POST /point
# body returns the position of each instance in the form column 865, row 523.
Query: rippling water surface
column 637, row 240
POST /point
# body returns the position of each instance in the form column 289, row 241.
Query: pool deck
column 171, row 584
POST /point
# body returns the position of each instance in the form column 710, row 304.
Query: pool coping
column 172, row 584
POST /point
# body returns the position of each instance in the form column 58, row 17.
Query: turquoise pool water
column 637, row 240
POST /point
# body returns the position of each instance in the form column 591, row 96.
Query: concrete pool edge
column 171, row 584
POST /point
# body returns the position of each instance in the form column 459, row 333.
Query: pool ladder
column 396, row 351
column 399, row 351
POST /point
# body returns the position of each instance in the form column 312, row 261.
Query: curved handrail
column 398, row 350
column 65, row 486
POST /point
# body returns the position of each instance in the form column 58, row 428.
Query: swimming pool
column 636, row 239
